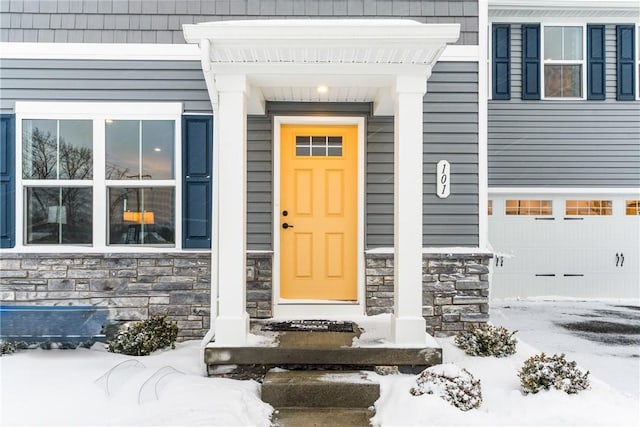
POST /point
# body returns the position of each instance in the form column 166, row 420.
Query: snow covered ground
column 96, row 388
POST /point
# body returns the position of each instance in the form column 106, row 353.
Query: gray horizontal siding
column 103, row 81
column 554, row 143
column 259, row 183
column 152, row 21
column 450, row 133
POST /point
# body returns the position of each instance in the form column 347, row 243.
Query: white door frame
column 317, row 308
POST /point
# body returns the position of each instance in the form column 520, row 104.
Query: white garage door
column 566, row 245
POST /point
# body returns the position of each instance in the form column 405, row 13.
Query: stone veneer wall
column 259, row 285
column 132, row 286
column 455, row 289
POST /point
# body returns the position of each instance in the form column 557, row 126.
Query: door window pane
column 139, row 149
column 141, row 215
column 57, row 149
column 59, row 215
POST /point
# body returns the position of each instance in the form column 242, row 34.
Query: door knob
column 285, row 226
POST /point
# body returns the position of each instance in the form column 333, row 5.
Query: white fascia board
column 562, row 190
column 460, row 53
column 322, row 31
column 106, row 51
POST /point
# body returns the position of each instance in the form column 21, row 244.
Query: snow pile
column 541, row 373
column 487, row 340
column 455, row 385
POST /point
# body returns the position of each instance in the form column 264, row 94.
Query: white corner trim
column 110, row 51
column 483, row 119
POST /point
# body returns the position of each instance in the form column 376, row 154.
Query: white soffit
column 564, row 9
column 285, row 60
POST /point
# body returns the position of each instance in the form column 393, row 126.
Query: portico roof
column 285, row 60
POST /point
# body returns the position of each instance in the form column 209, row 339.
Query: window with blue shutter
column 531, row 61
column 197, row 148
column 625, row 69
column 501, row 57
column 7, row 181
column 595, row 63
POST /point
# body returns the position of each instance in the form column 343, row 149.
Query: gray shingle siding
column 554, row 143
column 158, row 19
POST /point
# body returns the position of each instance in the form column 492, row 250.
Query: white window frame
column 98, row 112
column 582, row 62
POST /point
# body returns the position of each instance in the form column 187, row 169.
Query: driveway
column 602, row 336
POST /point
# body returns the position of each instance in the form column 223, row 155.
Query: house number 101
column 443, row 173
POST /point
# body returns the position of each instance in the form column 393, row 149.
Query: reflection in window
column 528, row 207
column 563, row 62
column 57, row 149
column 139, row 149
column 319, row 146
column 632, row 207
column 490, row 207
column 141, row 216
column 59, row 215
column 588, row 207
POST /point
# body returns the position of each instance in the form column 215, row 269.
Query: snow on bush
column 7, row 348
column 455, row 385
column 144, row 337
column 487, row 340
column 543, row 372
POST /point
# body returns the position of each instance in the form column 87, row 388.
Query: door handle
column 285, row 226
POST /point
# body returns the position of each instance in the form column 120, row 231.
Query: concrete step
column 322, row 417
column 319, row 389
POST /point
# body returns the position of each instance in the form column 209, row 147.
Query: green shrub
column 453, row 384
column 7, row 348
column 543, row 372
column 144, row 337
column 487, row 340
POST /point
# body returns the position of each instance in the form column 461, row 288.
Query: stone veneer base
column 134, row 286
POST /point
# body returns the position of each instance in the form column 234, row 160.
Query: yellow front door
column 318, row 212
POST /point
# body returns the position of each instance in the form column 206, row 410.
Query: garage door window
column 588, row 207
column 528, row 207
column 633, row 207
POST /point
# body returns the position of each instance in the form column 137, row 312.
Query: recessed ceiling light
column 157, row 149
column 108, row 121
column 322, row 89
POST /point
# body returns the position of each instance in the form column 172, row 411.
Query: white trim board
column 562, row 190
column 294, row 308
column 149, row 52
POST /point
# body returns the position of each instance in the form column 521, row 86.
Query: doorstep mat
column 309, row 326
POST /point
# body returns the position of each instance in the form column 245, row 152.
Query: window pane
column 39, row 149
column 552, row 42
column 141, row 216
column 76, row 149
column 157, row 149
column 127, row 140
column 59, row 215
column 572, row 43
column 122, row 149
column 562, row 81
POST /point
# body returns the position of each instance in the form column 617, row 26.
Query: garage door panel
column 571, row 255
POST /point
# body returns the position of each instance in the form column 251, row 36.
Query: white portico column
column 408, row 325
column 232, row 323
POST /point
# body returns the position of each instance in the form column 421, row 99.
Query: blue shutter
column 531, row 61
column 197, row 149
column 501, row 67
column 625, row 68
column 595, row 62
column 7, row 181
